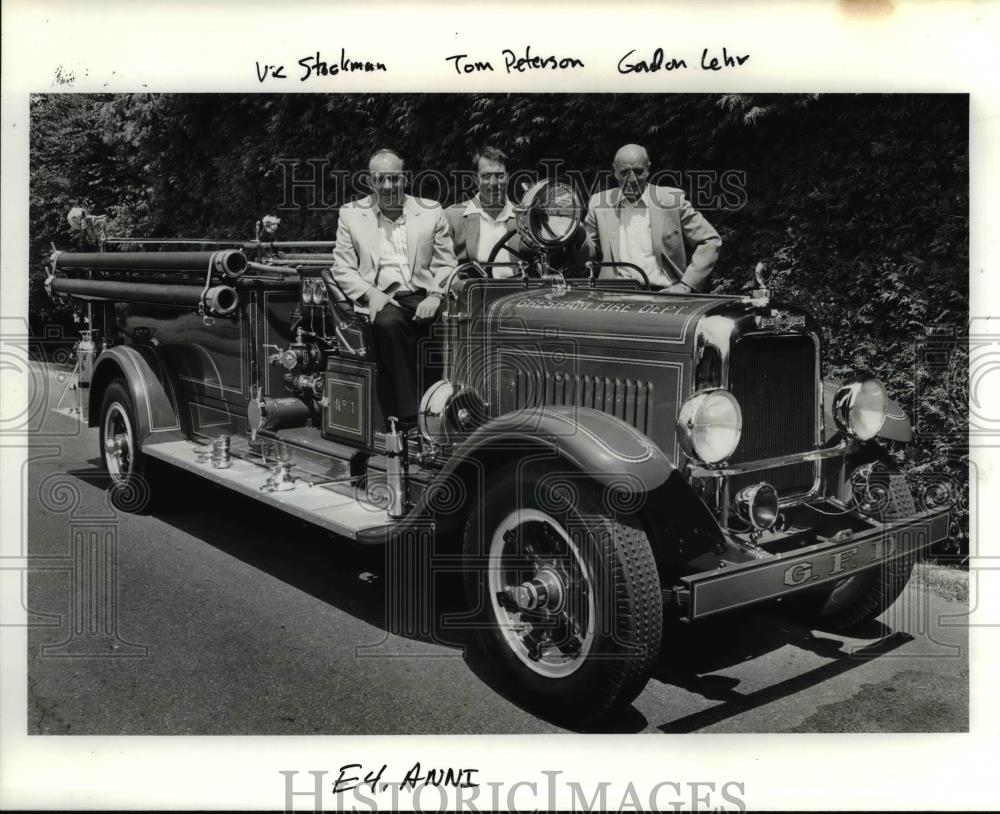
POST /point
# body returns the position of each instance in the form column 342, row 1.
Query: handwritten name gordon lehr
column 711, row 60
column 315, row 65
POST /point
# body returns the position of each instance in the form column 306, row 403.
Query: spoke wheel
column 542, row 593
column 121, row 452
column 565, row 595
column 119, row 443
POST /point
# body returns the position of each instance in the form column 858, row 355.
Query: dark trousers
column 407, row 355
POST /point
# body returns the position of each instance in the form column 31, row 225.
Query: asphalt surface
column 232, row 618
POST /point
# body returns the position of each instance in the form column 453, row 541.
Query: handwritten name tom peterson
column 515, row 62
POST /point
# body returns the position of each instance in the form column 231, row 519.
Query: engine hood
column 622, row 316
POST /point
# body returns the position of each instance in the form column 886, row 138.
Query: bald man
column 654, row 227
column 394, row 254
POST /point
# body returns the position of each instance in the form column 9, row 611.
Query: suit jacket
column 464, row 225
column 674, row 225
column 428, row 246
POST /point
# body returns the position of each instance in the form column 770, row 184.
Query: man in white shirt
column 480, row 222
column 654, row 227
column 394, row 254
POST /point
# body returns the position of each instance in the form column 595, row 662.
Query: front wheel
column 566, row 595
column 859, row 598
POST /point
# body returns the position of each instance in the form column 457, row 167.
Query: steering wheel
column 502, row 244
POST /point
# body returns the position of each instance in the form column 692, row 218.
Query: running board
column 339, row 513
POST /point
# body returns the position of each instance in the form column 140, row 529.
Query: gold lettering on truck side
column 798, row 573
column 842, row 560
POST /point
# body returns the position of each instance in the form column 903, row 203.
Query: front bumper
column 722, row 589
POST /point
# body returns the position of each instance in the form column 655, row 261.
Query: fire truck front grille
column 631, row 400
column 774, row 380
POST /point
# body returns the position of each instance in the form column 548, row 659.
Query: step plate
column 338, row 513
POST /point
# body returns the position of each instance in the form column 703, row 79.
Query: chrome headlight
column 859, row 407
column 709, row 426
column 549, row 214
column 449, row 411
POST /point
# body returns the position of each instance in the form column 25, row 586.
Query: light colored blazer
column 428, row 246
column 464, row 223
column 674, row 226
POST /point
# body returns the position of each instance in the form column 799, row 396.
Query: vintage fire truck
column 599, row 456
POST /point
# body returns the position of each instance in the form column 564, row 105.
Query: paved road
column 232, row 618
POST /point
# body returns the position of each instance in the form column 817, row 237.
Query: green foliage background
column 858, row 203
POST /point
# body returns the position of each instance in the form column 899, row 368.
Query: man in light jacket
column 654, row 227
column 394, row 255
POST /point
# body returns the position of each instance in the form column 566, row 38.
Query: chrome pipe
column 228, row 262
column 220, row 300
column 395, row 453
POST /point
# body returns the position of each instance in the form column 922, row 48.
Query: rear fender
column 157, row 412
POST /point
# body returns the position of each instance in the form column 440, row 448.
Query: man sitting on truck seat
column 652, row 226
column 394, row 254
column 478, row 223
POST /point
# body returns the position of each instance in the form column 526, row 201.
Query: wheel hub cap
column 542, row 594
column 116, row 445
column 545, row 592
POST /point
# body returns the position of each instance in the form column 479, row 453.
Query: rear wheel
column 566, row 594
column 120, row 450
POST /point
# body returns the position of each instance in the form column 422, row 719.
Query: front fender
column 897, row 424
column 684, row 534
column 157, row 410
column 603, row 447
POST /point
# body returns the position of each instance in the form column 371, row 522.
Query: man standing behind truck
column 654, row 227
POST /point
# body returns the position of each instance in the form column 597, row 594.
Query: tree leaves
column 859, row 202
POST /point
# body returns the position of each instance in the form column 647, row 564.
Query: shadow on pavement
column 412, row 602
column 717, row 644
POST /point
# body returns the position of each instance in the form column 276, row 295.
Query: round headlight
column 709, row 426
column 859, row 407
column 549, row 214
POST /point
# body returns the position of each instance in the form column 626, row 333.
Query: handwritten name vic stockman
column 315, row 65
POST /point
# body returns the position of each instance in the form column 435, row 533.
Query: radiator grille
column 631, row 400
column 774, row 380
